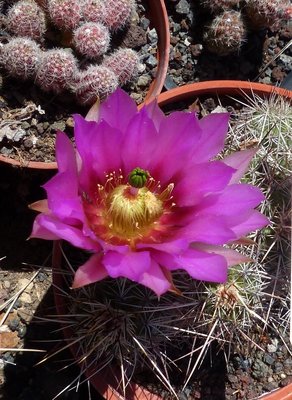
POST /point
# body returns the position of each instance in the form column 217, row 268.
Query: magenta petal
column 139, row 142
column 155, row 279
column 63, row 199
column 232, row 257
column 214, row 128
column 65, row 154
column 236, row 198
column 99, row 146
column 252, row 221
column 239, row 161
column 155, row 113
column 40, row 232
column 201, row 180
column 63, row 231
column 203, row 266
column 178, row 135
column 172, row 247
column 131, row 265
column 208, row 229
column 90, row 272
column 118, row 110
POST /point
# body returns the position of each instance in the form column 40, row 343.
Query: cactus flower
column 143, row 193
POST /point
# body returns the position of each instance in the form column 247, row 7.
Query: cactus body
column 226, row 33
column 92, row 39
column 27, row 19
column 56, row 71
column 21, row 57
column 124, row 63
column 93, row 83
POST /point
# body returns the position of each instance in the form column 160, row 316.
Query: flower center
column 127, row 211
column 129, row 214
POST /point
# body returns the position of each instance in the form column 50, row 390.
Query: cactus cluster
column 232, row 19
column 82, row 30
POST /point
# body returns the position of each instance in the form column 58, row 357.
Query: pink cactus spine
column 27, row 19
column 65, row 14
column 93, row 10
column 56, row 71
column 91, row 39
column 117, row 13
column 226, row 33
column 124, row 63
column 266, row 13
column 21, row 57
column 93, row 83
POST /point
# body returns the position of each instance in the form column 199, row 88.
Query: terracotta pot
column 105, row 383
column 158, row 17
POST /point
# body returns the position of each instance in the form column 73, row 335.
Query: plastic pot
column 105, row 382
column 158, row 17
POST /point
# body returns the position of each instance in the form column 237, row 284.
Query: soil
column 25, row 265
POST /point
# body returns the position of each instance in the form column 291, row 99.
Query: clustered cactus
column 84, row 26
column 231, row 19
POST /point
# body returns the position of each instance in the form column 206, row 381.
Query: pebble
column 152, row 35
column 22, row 331
column 6, row 284
column 25, row 298
column 24, row 282
column 273, row 346
column 183, row 7
column 151, row 61
column 13, row 324
column 143, row 80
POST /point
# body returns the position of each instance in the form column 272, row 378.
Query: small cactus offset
column 226, row 33
column 56, row 71
column 117, row 13
column 95, row 82
column 26, row 19
column 266, row 13
column 65, row 14
column 219, row 5
column 124, row 63
column 93, row 10
column 21, row 56
column 92, row 39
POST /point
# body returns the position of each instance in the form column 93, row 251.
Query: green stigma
column 138, row 177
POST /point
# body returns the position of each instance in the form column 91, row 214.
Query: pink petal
column 236, row 198
column 63, row 199
column 118, row 110
column 239, row 161
column 93, row 113
column 203, row 266
column 40, row 206
column 208, row 229
column 155, row 279
column 198, row 264
column 178, row 135
column 155, row 113
column 99, row 146
column 201, row 180
column 90, row 272
column 58, row 230
column 173, row 247
column 214, row 129
column 39, row 231
column 232, row 257
column 139, row 142
column 252, row 221
column 65, row 154
column 131, row 265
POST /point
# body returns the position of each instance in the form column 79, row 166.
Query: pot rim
column 159, row 20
